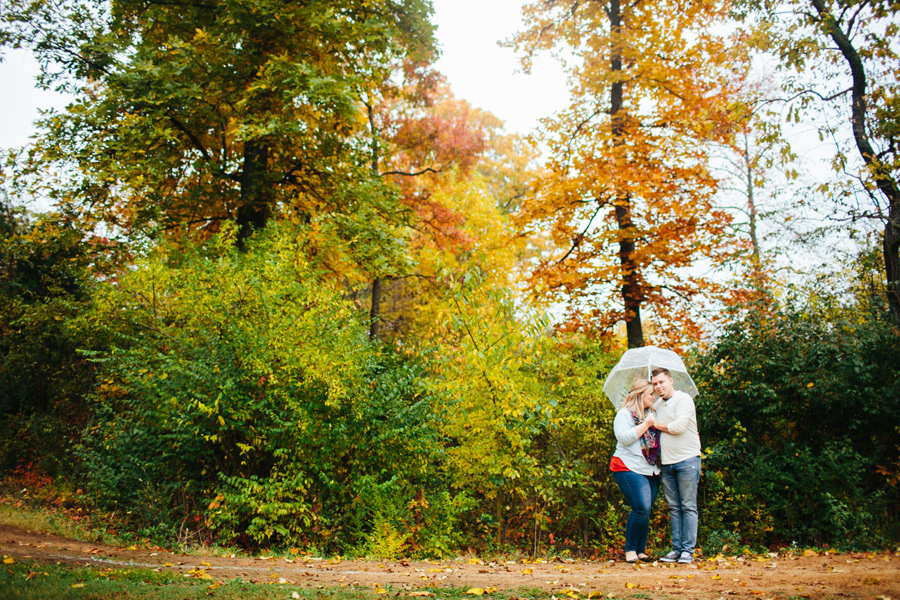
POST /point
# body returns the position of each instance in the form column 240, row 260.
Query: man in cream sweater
column 676, row 418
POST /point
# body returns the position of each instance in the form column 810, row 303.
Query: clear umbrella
column 637, row 363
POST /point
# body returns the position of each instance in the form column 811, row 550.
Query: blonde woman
column 635, row 465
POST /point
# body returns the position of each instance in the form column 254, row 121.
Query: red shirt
column 616, row 464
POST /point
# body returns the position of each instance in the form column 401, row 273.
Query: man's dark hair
column 659, row 370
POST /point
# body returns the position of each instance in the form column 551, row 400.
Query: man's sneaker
column 671, row 557
column 686, row 558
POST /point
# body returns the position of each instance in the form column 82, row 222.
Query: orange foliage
column 626, row 209
column 429, row 138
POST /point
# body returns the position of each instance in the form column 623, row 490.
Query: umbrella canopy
column 637, row 363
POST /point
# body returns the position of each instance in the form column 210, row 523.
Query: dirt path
column 870, row 576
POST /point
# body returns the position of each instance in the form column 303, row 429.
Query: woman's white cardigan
column 628, row 446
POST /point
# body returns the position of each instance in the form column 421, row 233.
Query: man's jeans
column 679, row 483
column 640, row 492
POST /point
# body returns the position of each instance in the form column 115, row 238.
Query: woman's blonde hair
column 633, row 400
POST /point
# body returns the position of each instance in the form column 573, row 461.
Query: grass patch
column 30, row 581
column 42, row 520
column 75, row 524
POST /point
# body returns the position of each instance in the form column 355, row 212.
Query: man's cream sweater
column 680, row 415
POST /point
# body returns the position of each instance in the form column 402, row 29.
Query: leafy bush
column 44, row 281
column 793, row 410
column 528, row 428
column 575, row 496
column 243, row 388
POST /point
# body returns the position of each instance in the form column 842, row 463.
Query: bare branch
column 416, row 174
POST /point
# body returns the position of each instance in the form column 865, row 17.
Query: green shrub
column 576, row 489
column 243, row 388
column 794, row 411
column 45, row 275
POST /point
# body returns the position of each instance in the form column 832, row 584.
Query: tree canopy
column 191, row 113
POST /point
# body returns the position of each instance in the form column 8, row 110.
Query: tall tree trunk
column 751, row 202
column 891, row 247
column 375, row 309
column 377, row 282
column 631, row 292
column 883, row 179
column 256, row 197
column 375, row 321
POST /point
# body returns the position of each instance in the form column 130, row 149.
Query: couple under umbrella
column 657, row 444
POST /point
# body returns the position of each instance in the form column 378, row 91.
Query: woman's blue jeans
column 640, row 492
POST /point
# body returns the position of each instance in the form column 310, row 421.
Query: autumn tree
column 628, row 201
column 847, row 54
column 413, row 143
column 188, row 113
column 457, row 172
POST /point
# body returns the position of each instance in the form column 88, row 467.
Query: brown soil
column 869, row 576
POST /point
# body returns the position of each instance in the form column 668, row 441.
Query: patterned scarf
column 649, row 441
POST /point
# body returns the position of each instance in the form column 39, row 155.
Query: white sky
column 485, row 74
column 468, row 31
column 19, row 100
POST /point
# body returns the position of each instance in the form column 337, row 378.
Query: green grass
column 30, row 581
column 91, row 529
column 44, row 521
